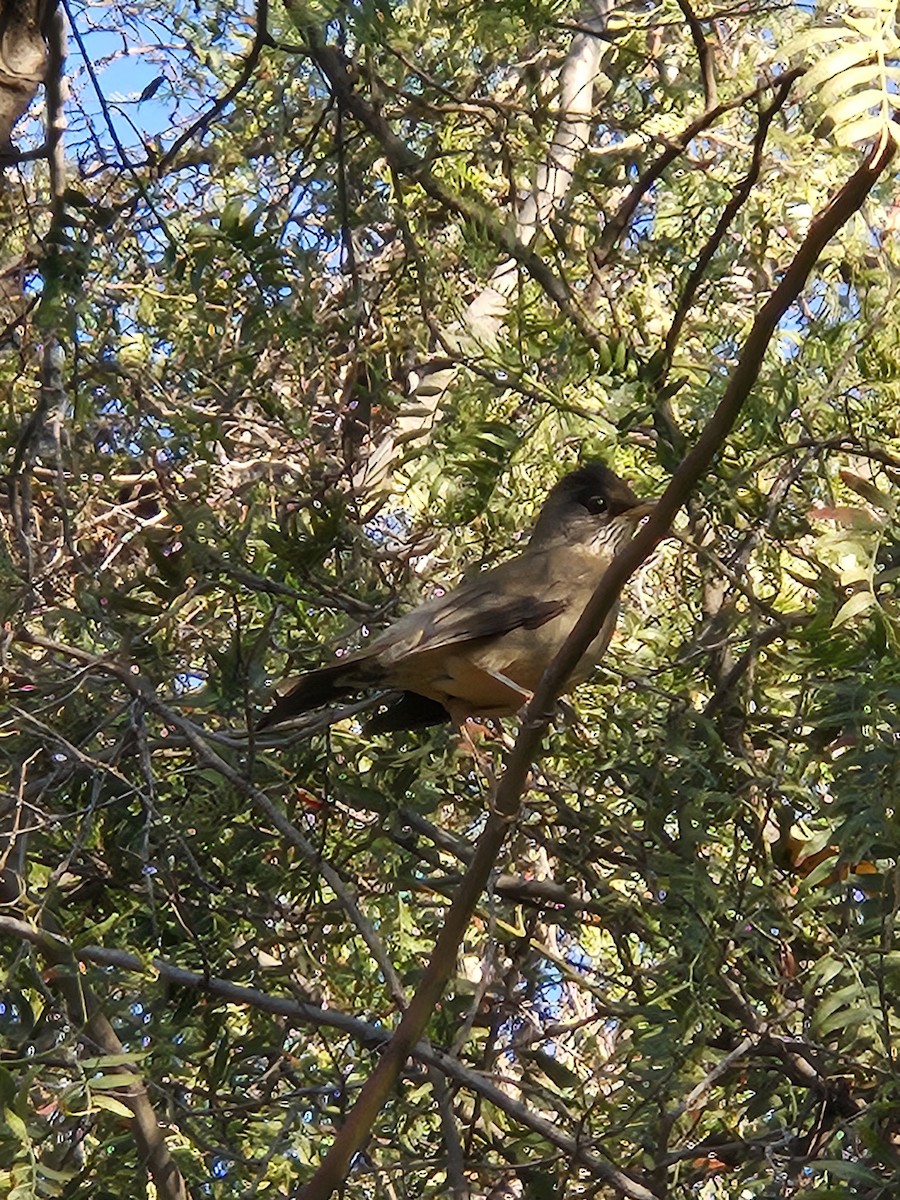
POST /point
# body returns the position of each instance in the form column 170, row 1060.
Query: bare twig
column 365, row 1034
column 406, row 163
column 113, row 132
column 732, row 208
column 704, row 53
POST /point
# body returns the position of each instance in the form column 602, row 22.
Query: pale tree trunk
column 555, row 176
column 23, row 61
column 483, row 319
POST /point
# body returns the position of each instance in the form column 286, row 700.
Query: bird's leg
column 499, row 734
column 459, row 716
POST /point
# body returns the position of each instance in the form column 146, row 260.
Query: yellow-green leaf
column 850, row 82
column 111, row 1104
column 16, row 1126
column 113, row 1081
column 850, row 108
column 864, row 130
column 858, row 603
column 814, row 38
column 836, row 64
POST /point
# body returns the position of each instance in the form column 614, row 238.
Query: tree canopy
column 304, row 308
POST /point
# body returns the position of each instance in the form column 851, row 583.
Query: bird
column 480, row 648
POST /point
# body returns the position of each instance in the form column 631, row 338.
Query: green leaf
column 103, row 1082
column 112, row 1060
column 835, row 66
column 111, row 1104
column 853, row 1172
column 16, row 1126
column 859, row 603
column 865, row 131
column 850, row 994
column 848, row 110
column 845, row 1021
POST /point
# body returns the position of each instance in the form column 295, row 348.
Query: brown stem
column 353, row 1134
column 704, row 53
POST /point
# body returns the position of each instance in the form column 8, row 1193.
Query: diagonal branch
column 405, row 162
column 511, row 787
column 621, row 219
column 704, row 52
column 202, row 123
column 364, row 1033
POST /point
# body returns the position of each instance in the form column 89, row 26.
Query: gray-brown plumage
column 480, row 649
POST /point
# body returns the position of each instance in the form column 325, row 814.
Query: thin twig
column 704, row 53
column 369, row 1036
column 620, row 221
column 406, row 163
column 730, row 211
column 260, row 41
column 84, row 1011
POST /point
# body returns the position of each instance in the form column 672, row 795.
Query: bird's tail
column 309, row 691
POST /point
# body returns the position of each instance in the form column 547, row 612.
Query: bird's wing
column 489, row 605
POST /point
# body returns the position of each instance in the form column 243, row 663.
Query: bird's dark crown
column 593, row 490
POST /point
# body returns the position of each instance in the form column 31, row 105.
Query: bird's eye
column 595, row 505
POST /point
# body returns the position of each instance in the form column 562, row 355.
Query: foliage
column 855, row 81
column 297, row 394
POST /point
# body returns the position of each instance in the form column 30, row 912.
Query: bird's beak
column 639, row 511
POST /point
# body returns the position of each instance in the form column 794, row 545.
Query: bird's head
column 588, row 505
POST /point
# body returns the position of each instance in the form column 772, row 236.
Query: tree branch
column 730, row 211
column 512, row 784
column 260, row 41
column 620, row 221
column 334, row 66
column 704, row 53
column 365, row 1034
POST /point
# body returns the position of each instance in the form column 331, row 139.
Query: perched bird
column 480, row 649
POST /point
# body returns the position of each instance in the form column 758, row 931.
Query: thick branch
column 511, row 787
column 56, row 117
column 704, row 53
